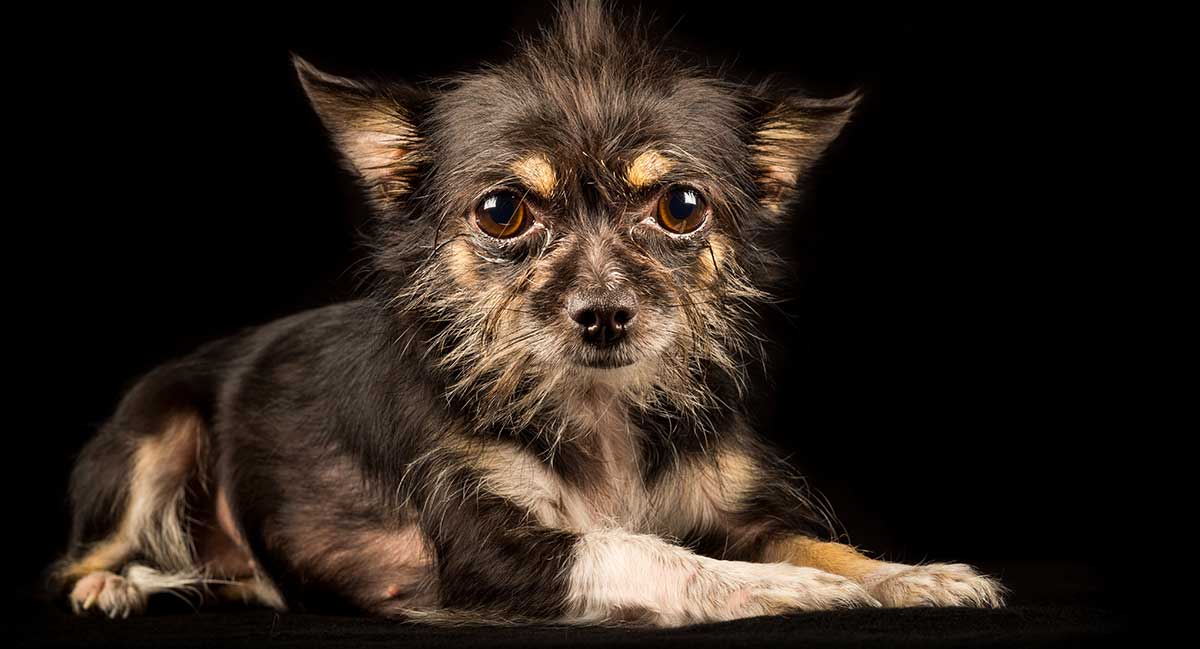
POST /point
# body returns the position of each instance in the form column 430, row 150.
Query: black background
column 952, row 383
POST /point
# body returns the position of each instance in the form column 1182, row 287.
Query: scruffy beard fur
column 538, row 423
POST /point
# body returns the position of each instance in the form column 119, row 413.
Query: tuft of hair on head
column 589, row 34
column 585, row 25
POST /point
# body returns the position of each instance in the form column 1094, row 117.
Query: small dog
column 536, row 413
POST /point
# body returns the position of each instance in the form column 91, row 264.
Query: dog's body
column 536, row 414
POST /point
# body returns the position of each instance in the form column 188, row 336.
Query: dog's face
column 591, row 213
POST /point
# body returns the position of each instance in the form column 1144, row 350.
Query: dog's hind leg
column 129, row 495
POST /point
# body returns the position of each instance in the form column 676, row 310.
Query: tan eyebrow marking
column 537, row 174
column 647, row 169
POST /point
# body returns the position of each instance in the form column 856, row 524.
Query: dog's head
column 592, row 213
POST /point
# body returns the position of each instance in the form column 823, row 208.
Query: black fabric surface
column 1017, row 627
column 1052, row 605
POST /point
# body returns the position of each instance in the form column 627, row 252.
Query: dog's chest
column 594, row 482
column 613, row 493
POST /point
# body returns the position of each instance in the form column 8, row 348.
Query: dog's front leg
column 494, row 559
column 893, row 584
column 749, row 499
column 618, row 574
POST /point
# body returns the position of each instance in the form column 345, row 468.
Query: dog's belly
column 336, row 538
column 376, row 569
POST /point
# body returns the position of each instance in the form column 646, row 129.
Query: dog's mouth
column 611, row 357
column 607, row 363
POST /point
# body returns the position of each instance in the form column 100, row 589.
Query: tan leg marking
column 107, row 554
column 830, row 557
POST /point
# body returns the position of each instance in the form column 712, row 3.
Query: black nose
column 603, row 320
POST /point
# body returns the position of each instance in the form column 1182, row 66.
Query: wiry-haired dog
column 536, row 414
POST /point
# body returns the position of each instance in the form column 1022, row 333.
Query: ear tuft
column 790, row 137
column 371, row 125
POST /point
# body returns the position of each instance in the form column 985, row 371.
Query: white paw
column 110, row 594
column 750, row 590
column 935, row 584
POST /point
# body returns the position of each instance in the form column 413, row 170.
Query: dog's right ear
column 372, row 126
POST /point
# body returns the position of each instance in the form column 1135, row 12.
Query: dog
column 536, row 413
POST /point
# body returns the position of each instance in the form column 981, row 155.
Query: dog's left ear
column 372, row 125
column 789, row 136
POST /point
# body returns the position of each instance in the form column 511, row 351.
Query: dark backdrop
column 950, row 380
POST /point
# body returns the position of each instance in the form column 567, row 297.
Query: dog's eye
column 501, row 214
column 681, row 210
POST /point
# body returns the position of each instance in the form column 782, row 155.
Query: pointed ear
column 371, row 125
column 790, row 136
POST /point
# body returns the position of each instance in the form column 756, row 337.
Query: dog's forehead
column 545, row 124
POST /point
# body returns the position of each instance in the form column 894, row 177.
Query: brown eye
column 681, row 210
column 501, row 214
